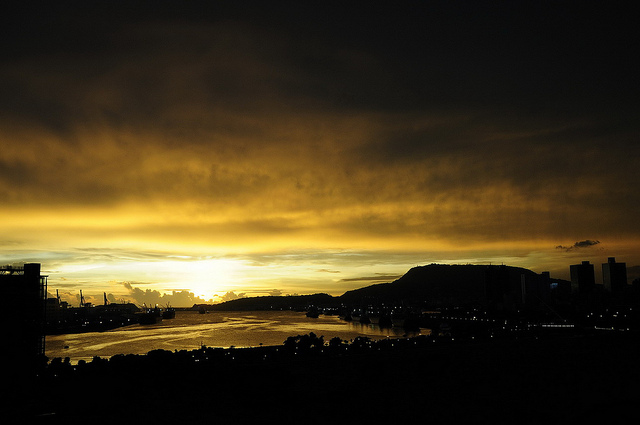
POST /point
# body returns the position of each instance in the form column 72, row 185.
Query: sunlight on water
column 190, row 330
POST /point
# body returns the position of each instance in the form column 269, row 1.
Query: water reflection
column 372, row 330
column 190, row 330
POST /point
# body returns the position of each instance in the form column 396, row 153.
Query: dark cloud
column 585, row 243
column 151, row 67
column 225, row 81
column 581, row 244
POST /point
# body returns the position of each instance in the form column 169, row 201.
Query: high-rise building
column 24, row 291
column 583, row 278
column 614, row 275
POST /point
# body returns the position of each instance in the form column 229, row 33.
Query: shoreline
column 191, row 330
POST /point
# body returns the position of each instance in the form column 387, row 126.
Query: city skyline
column 212, row 151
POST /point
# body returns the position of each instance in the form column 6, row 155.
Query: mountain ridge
column 440, row 284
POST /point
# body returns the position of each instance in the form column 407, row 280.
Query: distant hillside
column 450, row 284
column 274, row 302
column 439, row 284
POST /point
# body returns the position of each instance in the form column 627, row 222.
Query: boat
column 404, row 318
column 445, row 328
column 150, row 316
column 398, row 318
column 379, row 316
column 364, row 319
column 313, row 312
column 169, row 312
column 345, row 315
column 356, row 314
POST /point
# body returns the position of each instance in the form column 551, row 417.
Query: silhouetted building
column 544, row 285
column 512, row 288
column 614, row 275
column 583, row 278
column 24, row 291
column 55, row 312
column 559, row 290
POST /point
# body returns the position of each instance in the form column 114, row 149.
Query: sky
column 182, row 152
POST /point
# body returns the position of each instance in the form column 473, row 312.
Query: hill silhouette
column 437, row 284
column 456, row 285
column 274, row 302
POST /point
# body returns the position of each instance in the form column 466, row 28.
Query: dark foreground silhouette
column 422, row 379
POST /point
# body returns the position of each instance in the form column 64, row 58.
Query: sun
column 202, row 276
column 205, row 277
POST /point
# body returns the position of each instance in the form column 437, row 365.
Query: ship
column 150, row 316
column 313, row 312
column 169, row 312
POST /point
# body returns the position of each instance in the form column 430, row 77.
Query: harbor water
column 190, row 330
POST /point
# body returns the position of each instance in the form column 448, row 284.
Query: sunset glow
column 186, row 159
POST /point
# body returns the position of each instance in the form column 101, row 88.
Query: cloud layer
column 421, row 127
